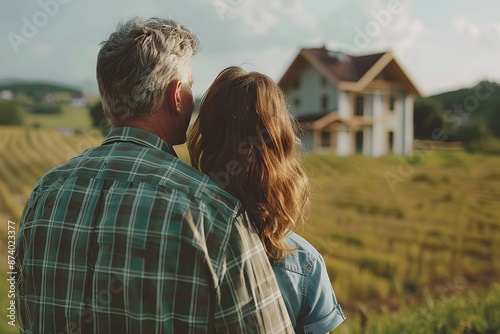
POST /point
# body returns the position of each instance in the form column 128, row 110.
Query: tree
column 427, row 117
column 47, row 109
column 474, row 135
column 99, row 120
column 493, row 121
column 10, row 113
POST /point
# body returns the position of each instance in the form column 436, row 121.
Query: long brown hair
column 246, row 141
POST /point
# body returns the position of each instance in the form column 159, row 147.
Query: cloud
column 359, row 28
column 273, row 62
column 440, row 43
column 260, row 16
column 467, row 27
column 411, row 29
column 464, row 26
column 299, row 15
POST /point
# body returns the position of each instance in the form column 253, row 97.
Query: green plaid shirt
column 126, row 238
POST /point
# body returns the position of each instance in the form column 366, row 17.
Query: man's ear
column 174, row 96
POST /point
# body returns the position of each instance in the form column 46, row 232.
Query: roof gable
column 348, row 72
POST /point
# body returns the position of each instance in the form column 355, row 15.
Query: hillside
column 481, row 102
column 394, row 231
column 45, row 104
column 32, row 89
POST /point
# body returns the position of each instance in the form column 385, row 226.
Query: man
column 125, row 238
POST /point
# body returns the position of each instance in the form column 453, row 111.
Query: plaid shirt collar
column 139, row 137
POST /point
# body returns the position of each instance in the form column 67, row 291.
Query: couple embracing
column 126, row 238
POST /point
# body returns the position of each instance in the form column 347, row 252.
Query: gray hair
column 138, row 61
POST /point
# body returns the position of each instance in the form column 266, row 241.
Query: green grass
column 466, row 313
column 77, row 118
column 182, row 152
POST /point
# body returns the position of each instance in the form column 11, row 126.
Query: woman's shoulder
column 303, row 257
column 300, row 244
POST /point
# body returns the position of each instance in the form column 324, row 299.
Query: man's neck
column 152, row 125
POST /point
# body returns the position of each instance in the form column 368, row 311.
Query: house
column 49, row 98
column 77, row 100
column 6, row 95
column 351, row 104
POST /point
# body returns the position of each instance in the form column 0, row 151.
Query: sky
column 441, row 44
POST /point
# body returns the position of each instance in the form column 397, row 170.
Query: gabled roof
column 348, row 72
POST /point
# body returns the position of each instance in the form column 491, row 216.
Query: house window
column 391, row 141
column 360, row 101
column 323, row 82
column 324, row 103
column 325, row 138
column 392, row 102
column 359, row 142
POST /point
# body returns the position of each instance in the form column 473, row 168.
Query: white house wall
column 344, row 105
column 367, row 141
column 368, row 105
column 343, row 143
column 408, row 133
column 331, row 91
column 379, row 129
column 310, row 94
column 399, row 121
column 398, row 126
column 394, row 122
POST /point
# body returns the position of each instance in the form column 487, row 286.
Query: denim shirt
column 306, row 289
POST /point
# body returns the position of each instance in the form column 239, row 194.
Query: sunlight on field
column 395, row 232
column 437, row 233
column 26, row 154
column 77, row 118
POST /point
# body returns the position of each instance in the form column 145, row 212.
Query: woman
column 245, row 140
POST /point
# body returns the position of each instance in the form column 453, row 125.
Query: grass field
column 389, row 246
column 398, row 234
column 76, row 118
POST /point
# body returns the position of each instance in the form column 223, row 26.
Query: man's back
column 126, row 238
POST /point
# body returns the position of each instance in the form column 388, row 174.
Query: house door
column 359, row 142
column 391, row 142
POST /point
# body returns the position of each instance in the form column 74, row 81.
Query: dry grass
column 384, row 245
column 441, row 221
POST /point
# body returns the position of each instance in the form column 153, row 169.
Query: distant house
column 49, row 98
column 78, row 99
column 6, row 95
column 351, row 104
